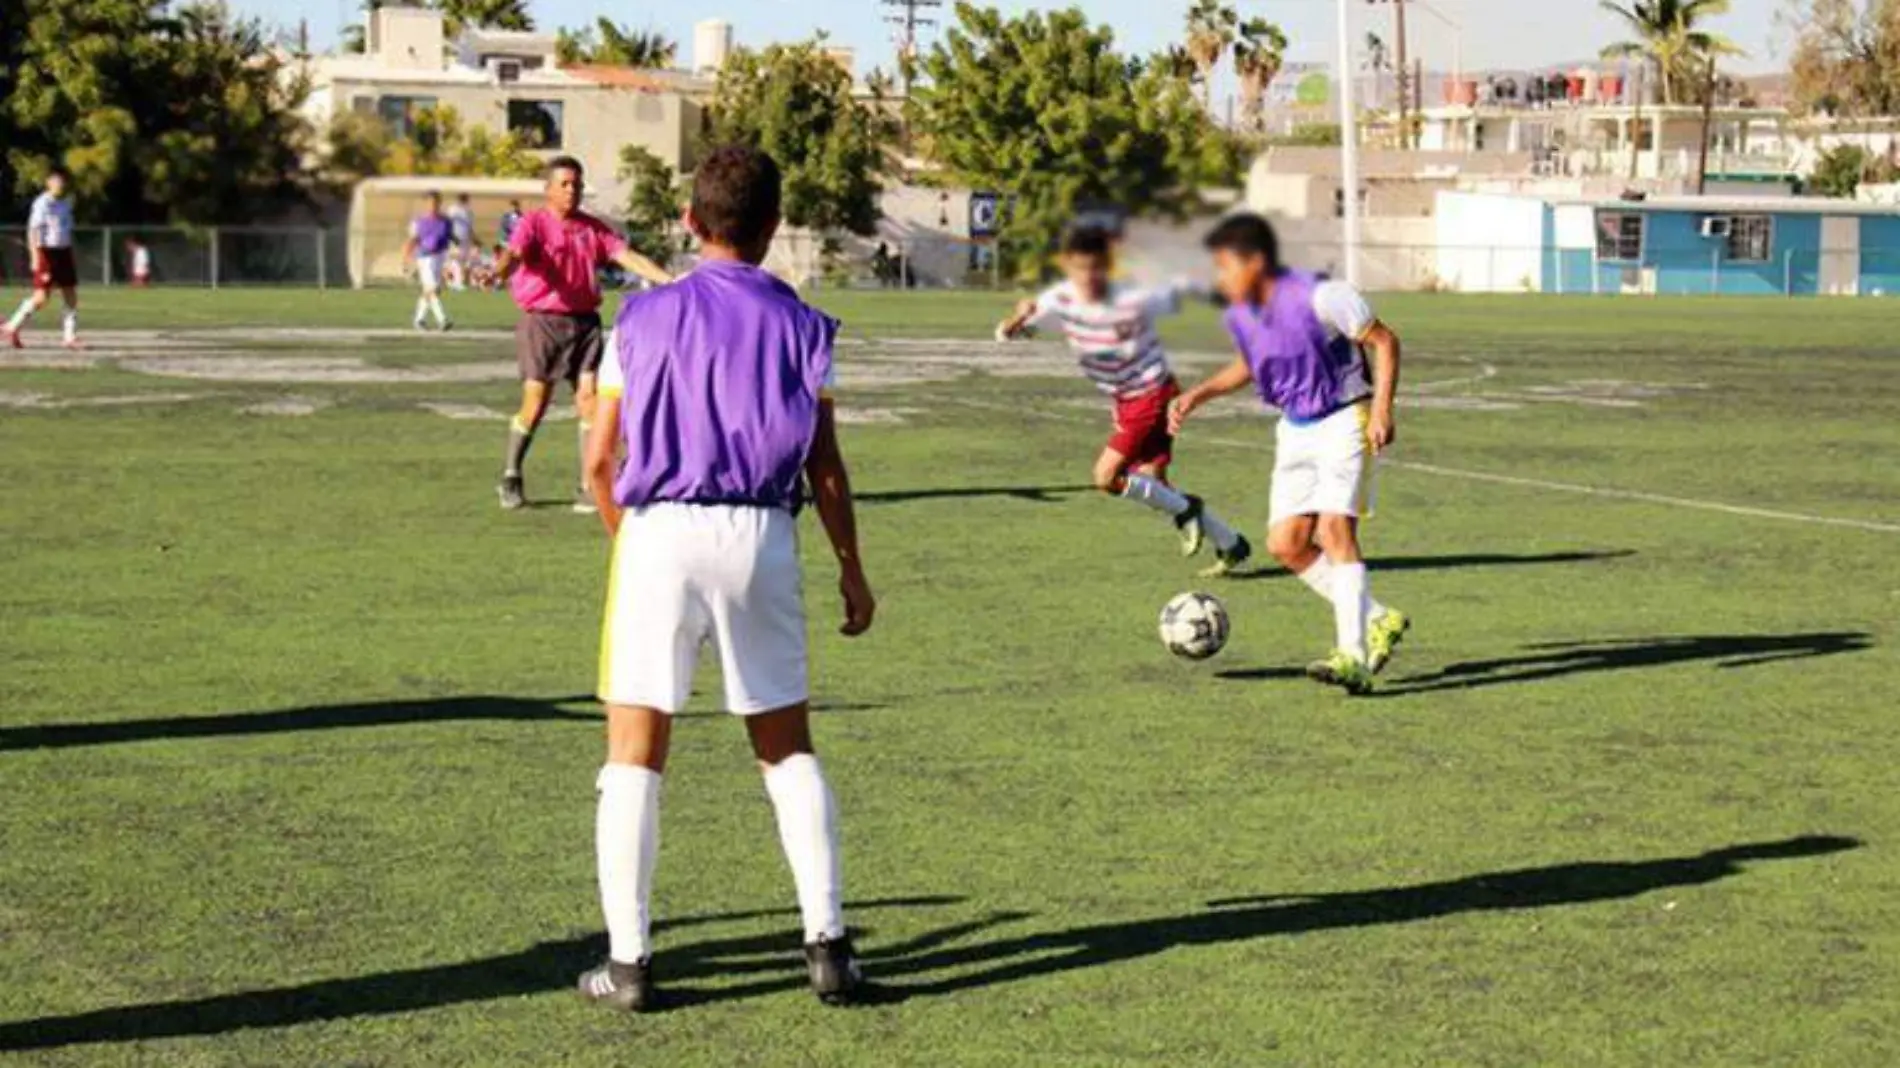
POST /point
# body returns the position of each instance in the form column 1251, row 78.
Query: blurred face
column 56, row 185
column 432, row 205
column 1238, row 275
column 564, row 191
column 1087, row 272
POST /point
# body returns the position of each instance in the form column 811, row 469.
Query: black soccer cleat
column 510, row 492
column 833, row 966
column 627, row 987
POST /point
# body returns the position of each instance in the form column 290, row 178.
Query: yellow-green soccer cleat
column 1383, row 638
column 1344, row 670
column 1230, row 561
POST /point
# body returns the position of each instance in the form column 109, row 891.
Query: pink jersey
column 560, row 259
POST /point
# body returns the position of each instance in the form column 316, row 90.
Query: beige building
column 510, row 81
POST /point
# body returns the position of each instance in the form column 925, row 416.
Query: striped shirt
column 1114, row 340
column 50, row 224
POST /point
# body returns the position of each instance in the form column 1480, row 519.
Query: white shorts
column 687, row 575
column 429, row 271
column 1323, row 468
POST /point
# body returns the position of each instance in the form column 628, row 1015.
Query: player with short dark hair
column 431, row 233
column 49, row 243
column 553, row 262
column 716, row 393
column 1111, row 329
column 1303, row 344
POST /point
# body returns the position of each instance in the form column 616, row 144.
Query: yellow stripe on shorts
column 604, row 676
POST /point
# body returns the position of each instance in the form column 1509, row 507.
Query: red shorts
column 57, row 269
column 1141, row 427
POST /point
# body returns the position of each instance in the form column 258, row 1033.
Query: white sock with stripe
column 1351, row 608
column 1155, row 494
column 24, row 313
column 626, row 845
column 69, row 325
column 808, row 831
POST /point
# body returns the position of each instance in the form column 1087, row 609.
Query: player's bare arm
column 1383, row 346
column 1013, row 327
column 409, row 252
column 831, row 496
column 1233, row 378
column 634, row 263
column 599, row 459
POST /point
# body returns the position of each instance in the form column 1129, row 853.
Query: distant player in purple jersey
column 1303, row 344
column 715, row 390
column 427, row 248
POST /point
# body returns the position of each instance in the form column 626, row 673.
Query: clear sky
column 1497, row 33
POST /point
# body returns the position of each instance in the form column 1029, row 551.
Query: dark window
column 537, row 120
column 399, row 113
column 507, row 71
column 1751, row 238
column 1620, row 236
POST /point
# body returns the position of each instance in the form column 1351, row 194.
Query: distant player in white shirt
column 1111, row 329
column 49, row 242
column 462, row 228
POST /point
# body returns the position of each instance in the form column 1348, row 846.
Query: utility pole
column 1403, row 66
column 908, row 17
column 1349, row 145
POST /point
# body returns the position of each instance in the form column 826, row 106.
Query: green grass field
column 298, row 757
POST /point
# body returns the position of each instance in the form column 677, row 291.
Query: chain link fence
column 343, row 258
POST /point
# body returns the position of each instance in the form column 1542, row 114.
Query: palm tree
column 489, row 14
column 1666, row 37
column 1210, row 31
column 1259, row 52
column 607, row 44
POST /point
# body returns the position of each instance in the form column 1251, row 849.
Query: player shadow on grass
column 1035, row 494
column 486, row 708
column 1244, row 919
column 538, row 969
column 1551, row 660
column 767, row 964
column 1458, row 561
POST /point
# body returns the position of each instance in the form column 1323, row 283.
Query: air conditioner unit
column 1717, row 226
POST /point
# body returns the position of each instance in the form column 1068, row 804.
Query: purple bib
column 432, row 234
column 723, row 374
column 1299, row 365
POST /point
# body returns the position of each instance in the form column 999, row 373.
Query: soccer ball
column 1194, row 626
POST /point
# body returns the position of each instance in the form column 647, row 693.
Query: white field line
column 1608, row 492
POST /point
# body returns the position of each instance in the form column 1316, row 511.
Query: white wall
column 1489, row 243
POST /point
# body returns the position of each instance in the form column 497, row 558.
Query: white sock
column 1155, row 494
column 22, row 315
column 1320, row 577
column 69, row 325
column 626, row 845
column 1352, row 605
column 422, row 310
column 435, row 309
column 808, row 831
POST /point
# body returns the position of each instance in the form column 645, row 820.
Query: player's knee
column 1108, row 480
column 1338, row 535
column 1290, row 546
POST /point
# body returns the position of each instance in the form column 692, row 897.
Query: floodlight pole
column 1348, row 146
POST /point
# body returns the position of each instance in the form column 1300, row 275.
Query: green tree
column 795, row 102
column 440, row 143
column 491, row 14
column 1042, row 106
column 1839, row 171
column 1259, row 53
column 608, row 44
column 1211, row 26
column 180, row 115
column 1666, row 34
column 1846, row 55
column 655, row 196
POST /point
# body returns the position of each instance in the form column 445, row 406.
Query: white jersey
column 461, row 224
column 50, row 224
column 1114, row 340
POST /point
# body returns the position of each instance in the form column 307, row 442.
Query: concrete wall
column 1681, row 261
column 1880, row 255
column 1490, row 244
